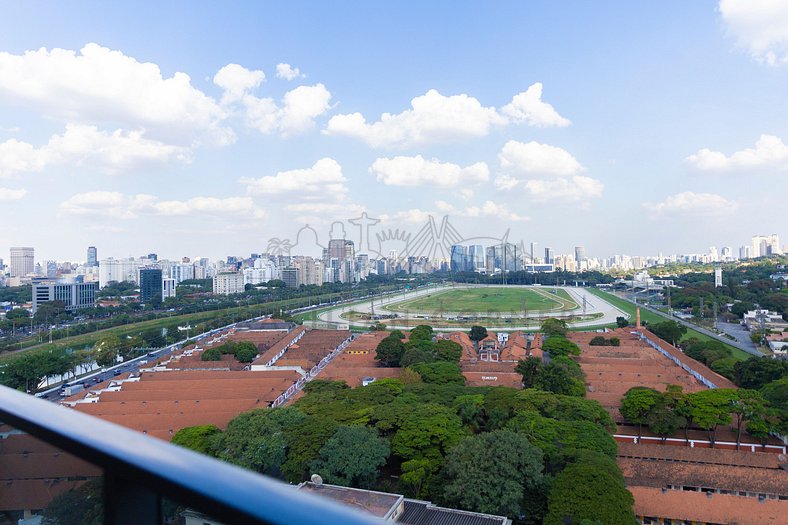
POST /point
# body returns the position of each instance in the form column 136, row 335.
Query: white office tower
column 22, row 262
column 763, row 245
column 718, row 276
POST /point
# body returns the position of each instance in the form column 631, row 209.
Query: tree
column 414, row 356
column 256, row 440
column 445, row 350
column 81, row 506
column 422, row 332
column 553, row 326
column 440, row 373
column 470, row 408
column 426, row 431
column 637, row 404
column 584, row 491
column 530, row 369
column 389, row 351
column 489, row 473
column 352, row 457
column 245, row 352
column 48, row 311
column 16, row 314
column 200, row 438
column 663, row 420
column 776, row 393
column 747, row 405
column 622, row 322
column 756, row 372
column 560, row 346
column 211, row 354
column 711, row 408
column 562, row 376
column 477, row 333
column 107, row 350
column 670, row 331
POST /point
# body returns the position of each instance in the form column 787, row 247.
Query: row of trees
column 666, row 412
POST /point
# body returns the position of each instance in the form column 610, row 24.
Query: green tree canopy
column 490, row 473
column 553, row 327
column 584, row 491
column 477, row 333
column 256, row 440
column 200, row 438
column 637, row 404
column 352, row 456
column 389, row 351
column 440, row 373
column 560, row 346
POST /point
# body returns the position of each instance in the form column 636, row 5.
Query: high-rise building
column 763, row 245
column 459, row 256
column 718, row 276
column 475, row 257
column 151, row 286
column 92, row 257
column 580, row 254
column 549, row 256
column 22, row 261
column 51, row 269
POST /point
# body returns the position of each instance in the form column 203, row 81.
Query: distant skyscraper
column 151, row 291
column 51, row 269
column 580, row 254
column 92, row 257
column 549, row 256
column 22, row 261
column 459, row 256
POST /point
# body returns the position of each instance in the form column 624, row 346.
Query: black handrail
column 138, row 462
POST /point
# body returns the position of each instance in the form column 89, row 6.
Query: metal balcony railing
column 140, row 470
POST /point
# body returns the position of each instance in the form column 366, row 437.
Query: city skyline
column 217, row 144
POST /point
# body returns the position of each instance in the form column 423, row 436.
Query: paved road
column 749, row 349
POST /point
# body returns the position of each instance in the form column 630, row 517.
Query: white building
column 228, row 283
column 763, row 245
column 22, row 262
column 718, row 276
column 168, row 287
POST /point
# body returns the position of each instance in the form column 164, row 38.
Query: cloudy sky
column 194, row 128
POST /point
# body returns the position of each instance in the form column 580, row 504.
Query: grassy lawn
column 651, row 317
column 492, row 299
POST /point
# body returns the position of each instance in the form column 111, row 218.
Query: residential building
column 763, row 245
column 580, row 254
column 228, row 283
column 290, row 277
column 22, row 261
column 74, row 295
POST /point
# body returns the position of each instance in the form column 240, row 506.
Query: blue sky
column 659, row 127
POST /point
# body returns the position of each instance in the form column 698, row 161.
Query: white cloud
column 488, row 209
column 760, row 26
column 416, row 171
column 435, row 118
column 690, row 203
column 410, row 216
column 288, row 72
column 8, row 195
column 535, row 158
column 98, row 85
column 577, row 188
column 323, row 180
column 524, row 163
column 769, row 153
column 83, row 145
column 528, row 107
column 111, row 204
column 236, row 81
column 432, row 118
column 294, row 115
